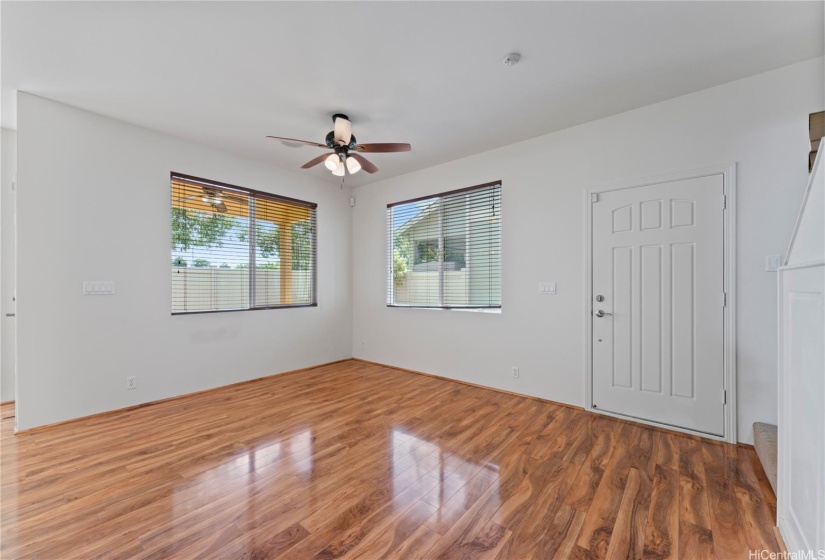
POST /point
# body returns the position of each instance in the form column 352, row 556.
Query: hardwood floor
column 359, row 460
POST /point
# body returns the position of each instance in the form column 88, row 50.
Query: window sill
column 487, row 310
column 205, row 312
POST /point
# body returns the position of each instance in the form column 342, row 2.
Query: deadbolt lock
column 599, row 298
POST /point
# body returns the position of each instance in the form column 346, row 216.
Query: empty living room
column 522, row 280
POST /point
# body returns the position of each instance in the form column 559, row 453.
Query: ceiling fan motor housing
column 330, row 141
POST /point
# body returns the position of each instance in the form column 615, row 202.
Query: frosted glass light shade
column 343, row 130
column 353, row 166
column 332, row 162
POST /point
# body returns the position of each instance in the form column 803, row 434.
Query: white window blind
column 235, row 248
column 444, row 251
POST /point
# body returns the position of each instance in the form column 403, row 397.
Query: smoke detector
column 512, row 59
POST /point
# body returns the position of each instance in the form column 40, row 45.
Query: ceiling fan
column 214, row 198
column 346, row 152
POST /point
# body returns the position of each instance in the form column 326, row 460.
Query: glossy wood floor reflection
column 362, row 461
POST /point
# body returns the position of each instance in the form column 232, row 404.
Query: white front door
column 658, row 316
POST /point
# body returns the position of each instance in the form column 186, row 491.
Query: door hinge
column 724, row 299
column 724, row 201
column 594, row 197
column 724, row 396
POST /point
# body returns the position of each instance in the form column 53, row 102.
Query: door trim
column 728, row 171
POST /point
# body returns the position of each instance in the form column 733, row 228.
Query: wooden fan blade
column 220, row 207
column 366, row 164
column 305, row 142
column 186, row 198
column 314, row 161
column 376, row 148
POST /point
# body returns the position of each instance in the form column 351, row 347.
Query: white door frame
column 728, row 171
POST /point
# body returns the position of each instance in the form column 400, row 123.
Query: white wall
column 8, row 167
column 800, row 509
column 801, row 470
column 761, row 123
column 93, row 201
column 808, row 240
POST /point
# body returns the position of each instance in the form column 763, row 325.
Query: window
column 235, row 248
column 444, row 251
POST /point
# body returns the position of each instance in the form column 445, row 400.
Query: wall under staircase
column 801, row 435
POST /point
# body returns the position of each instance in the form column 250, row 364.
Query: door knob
column 601, row 313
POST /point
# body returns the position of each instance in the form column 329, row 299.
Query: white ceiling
column 228, row 73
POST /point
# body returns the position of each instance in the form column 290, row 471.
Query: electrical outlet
column 131, row 382
column 515, row 371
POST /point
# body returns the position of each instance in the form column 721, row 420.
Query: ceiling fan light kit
column 332, row 162
column 214, row 198
column 353, row 166
column 341, row 140
column 343, row 128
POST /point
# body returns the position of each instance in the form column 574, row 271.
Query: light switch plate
column 547, row 288
column 98, row 288
column 772, row 263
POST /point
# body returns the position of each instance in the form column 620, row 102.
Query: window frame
column 389, row 268
column 256, row 194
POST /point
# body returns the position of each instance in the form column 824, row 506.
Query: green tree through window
column 193, row 228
